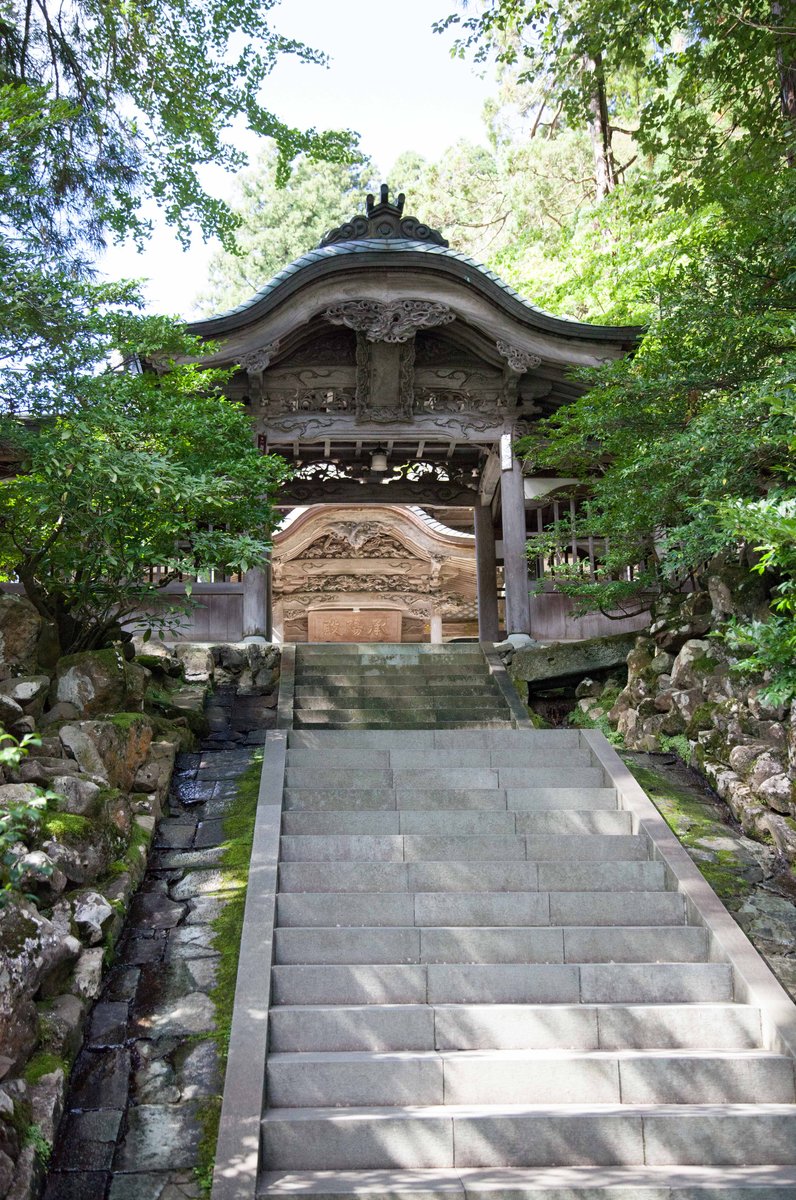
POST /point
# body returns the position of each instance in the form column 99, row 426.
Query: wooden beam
column 350, row 491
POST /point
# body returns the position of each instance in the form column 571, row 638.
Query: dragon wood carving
column 393, row 321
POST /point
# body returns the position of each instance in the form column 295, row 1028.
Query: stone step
column 405, row 677
column 421, row 759
column 437, row 848
column 371, row 686
column 493, row 909
column 384, row 651
column 356, row 1078
column 411, row 944
column 445, row 778
column 485, row 875
column 363, row 719
column 449, row 701
column 515, row 1026
column 550, row 1183
column 520, row 800
column 405, row 759
column 397, row 738
column 502, row 983
column 529, row 1136
column 427, row 739
column 564, row 822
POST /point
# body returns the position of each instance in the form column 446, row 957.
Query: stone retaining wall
column 109, row 727
column 683, row 694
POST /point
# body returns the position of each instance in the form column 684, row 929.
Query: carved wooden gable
column 357, row 541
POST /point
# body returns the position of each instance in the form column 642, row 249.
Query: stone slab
column 353, row 1027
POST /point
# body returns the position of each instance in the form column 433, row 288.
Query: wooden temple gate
column 391, row 370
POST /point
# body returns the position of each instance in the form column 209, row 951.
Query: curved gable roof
column 399, row 254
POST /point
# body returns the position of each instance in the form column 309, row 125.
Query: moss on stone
column 704, row 664
column 43, row 1064
column 128, row 720
column 701, row 718
column 693, row 821
column 228, row 927
column 67, row 827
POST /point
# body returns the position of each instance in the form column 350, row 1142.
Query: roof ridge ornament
column 383, row 221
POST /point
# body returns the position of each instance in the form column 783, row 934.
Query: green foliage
column 102, row 109
column 280, row 222
column 19, row 819
column 697, row 83
column 690, row 419
column 144, row 470
column 112, row 103
column 35, row 1137
column 583, row 720
column 769, row 647
column 676, row 744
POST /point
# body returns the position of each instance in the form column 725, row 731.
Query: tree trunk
column 786, row 67
column 600, row 130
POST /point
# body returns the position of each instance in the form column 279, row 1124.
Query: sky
column 390, row 78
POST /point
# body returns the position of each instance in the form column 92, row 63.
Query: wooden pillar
column 436, row 629
column 515, row 563
column 257, row 619
column 486, row 574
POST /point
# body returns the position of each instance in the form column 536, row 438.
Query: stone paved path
column 130, row 1131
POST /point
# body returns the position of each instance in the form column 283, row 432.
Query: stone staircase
column 486, row 983
column 395, row 687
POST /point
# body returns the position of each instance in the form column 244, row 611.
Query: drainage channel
column 148, row 1076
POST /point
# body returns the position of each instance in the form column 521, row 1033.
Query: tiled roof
column 383, row 245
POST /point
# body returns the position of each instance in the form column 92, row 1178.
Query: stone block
column 329, row 1140
column 437, row 848
column 481, row 908
column 720, row 1134
column 604, row 1136
column 342, row 877
column 333, row 757
column 507, row 945
column 515, row 1026
column 592, row 847
column 342, row 848
column 355, row 779
column 350, row 984
column 502, row 983
column 486, row 876
column 616, row 908
column 446, row 778
column 532, row 798
column 327, row 945
column 601, row 876
column 680, row 1026
column 678, row 944
column 364, row 821
column 352, row 1027
column 347, row 1079
column 708, row 1077
column 334, row 799
column 551, row 777
column 346, row 908
column 467, row 822
column 536, row 1077
column 655, row 983
column 572, row 823
column 443, row 799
